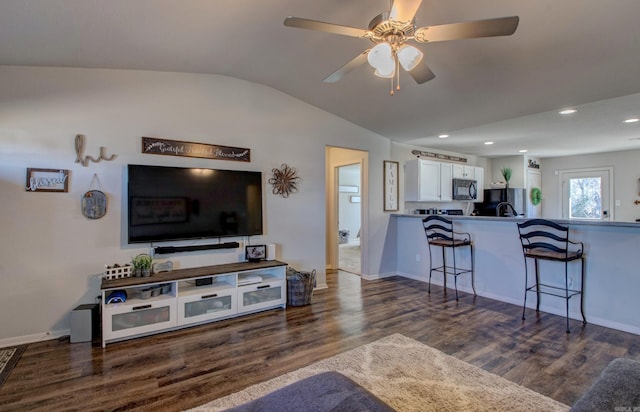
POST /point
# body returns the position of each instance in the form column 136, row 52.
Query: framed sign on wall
column 47, row 180
column 390, row 191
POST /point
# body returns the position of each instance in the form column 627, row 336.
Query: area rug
column 8, row 359
column 409, row 376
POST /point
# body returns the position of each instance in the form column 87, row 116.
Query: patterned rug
column 410, row 376
column 9, row 357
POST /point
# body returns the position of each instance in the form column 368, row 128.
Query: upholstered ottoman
column 616, row 389
column 327, row 391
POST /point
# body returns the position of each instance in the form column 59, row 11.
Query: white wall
column 518, row 168
column 626, row 175
column 51, row 257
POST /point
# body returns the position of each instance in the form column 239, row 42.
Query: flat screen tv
column 172, row 203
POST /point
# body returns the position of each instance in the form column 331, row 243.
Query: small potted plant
column 506, row 173
column 142, row 264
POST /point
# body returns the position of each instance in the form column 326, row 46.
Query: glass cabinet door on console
column 127, row 320
column 206, row 302
column 254, row 297
column 261, row 289
column 146, row 309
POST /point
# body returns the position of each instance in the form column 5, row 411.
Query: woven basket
column 300, row 287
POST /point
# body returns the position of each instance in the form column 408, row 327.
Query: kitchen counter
column 611, row 268
column 522, row 219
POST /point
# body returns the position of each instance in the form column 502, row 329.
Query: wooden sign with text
column 47, row 180
column 154, row 145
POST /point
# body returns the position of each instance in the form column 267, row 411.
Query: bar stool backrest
column 438, row 228
column 547, row 240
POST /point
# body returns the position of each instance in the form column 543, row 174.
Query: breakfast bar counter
column 612, row 281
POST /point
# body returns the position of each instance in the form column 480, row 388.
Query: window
column 585, row 198
column 586, row 194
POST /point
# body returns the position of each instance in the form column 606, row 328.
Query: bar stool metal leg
column 473, row 271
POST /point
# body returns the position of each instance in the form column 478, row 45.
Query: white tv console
column 176, row 302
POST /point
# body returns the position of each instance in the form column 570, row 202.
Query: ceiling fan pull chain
column 397, row 73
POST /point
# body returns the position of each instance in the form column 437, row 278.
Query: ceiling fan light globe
column 386, row 69
column 386, row 74
column 409, row 57
column 380, row 56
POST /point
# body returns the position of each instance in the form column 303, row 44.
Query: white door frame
column 609, row 197
column 361, row 157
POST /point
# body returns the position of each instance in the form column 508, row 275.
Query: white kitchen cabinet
column 464, row 172
column 421, row 181
column 446, row 184
column 479, row 177
column 427, row 181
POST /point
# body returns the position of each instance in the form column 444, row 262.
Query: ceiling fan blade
column 322, row 26
column 341, row 72
column 404, row 10
column 503, row 26
column 422, row 73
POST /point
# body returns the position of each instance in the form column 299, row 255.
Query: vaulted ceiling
column 568, row 53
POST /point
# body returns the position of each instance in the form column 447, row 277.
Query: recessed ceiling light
column 632, row 120
column 443, row 136
column 567, row 111
column 523, row 151
column 488, row 143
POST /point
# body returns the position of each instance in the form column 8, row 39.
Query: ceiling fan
column 391, row 31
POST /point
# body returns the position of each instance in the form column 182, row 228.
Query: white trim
column 37, row 337
column 611, row 185
column 378, row 276
column 554, row 311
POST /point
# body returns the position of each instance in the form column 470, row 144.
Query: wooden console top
column 188, row 273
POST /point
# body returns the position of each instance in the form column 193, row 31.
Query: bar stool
column 546, row 240
column 439, row 231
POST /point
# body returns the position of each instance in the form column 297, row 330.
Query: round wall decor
column 94, row 202
column 535, row 195
column 284, row 180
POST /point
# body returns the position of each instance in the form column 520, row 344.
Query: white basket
column 123, row 271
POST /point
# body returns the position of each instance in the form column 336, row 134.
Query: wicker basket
column 300, row 287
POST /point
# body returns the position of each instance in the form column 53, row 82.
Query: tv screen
column 172, row 203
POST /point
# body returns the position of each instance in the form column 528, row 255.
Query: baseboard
column 37, row 337
column 321, row 286
column 607, row 323
column 378, row 276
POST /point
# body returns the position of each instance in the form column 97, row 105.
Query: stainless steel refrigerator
column 493, row 197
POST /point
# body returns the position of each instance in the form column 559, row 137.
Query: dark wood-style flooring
column 187, row 368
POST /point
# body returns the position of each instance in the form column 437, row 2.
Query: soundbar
column 164, row 250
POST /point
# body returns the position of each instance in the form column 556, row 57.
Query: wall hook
column 84, row 160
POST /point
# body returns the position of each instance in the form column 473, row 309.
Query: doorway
column 349, row 220
column 586, row 194
column 347, row 209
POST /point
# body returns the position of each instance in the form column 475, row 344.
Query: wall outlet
column 417, row 257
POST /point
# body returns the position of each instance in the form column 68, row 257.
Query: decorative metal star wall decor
column 284, row 180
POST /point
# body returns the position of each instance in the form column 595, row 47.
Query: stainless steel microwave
column 464, row 189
